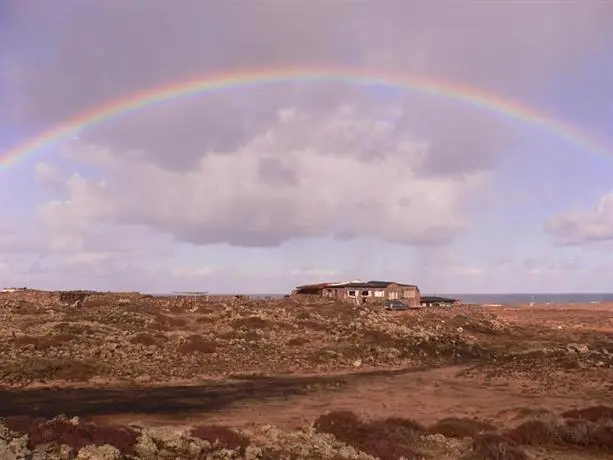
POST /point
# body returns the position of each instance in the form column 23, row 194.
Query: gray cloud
column 117, row 47
column 229, row 167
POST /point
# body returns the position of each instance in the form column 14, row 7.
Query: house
column 363, row 291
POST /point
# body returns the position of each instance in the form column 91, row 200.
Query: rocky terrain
column 156, row 340
column 122, row 375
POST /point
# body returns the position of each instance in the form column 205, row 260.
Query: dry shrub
column 382, row 338
column 222, row 436
column 62, row 338
column 75, row 329
column 341, row 311
column 535, row 433
column 74, row 296
column 491, row 446
column 43, row 342
column 578, row 432
column 149, row 340
column 196, row 344
column 347, row 351
column 571, row 432
column 250, row 336
column 314, row 325
column 76, row 435
column 387, row 439
column 183, row 305
column 593, row 414
column 124, row 320
column 250, row 322
column 206, row 310
column 206, row 319
column 30, row 308
column 59, row 369
column 272, row 454
column 297, row 341
column 602, row 439
column 460, row 427
column 25, row 340
column 524, row 412
column 322, row 355
column 472, row 324
column 167, row 323
column 588, row 435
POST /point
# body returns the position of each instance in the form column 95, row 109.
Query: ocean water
column 506, row 299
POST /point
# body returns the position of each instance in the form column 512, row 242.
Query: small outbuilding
column 436, row 301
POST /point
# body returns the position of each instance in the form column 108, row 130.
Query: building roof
column 434, row 299
column 314, row 286
column 355, row 284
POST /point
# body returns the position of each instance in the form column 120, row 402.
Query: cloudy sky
column 259, row 188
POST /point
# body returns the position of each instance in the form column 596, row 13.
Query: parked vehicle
column 396, row 305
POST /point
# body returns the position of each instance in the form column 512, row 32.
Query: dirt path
column 425, row 395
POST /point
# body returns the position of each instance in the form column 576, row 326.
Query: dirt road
column 424, row 395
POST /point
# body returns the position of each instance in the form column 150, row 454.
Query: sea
column 537, row 298
column 495, row 299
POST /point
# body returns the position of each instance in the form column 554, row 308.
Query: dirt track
column 289, row 402
column 167, row 400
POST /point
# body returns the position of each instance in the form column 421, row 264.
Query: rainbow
column 216, row 82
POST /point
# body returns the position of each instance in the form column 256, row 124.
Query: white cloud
column 306, row 176
column 314, row 273
column 578, row 227
column 46, row 173
column 194, row 272
column 468, row 271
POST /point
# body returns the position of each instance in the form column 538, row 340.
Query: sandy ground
column 425, row 396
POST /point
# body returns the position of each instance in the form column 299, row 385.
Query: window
column 365, row 293
column 379, row 294
column 351, row 293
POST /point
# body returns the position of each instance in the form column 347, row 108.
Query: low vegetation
column 491, row 446
column 196, row 344
column 222, row 437
column 460, row 427
column 387, row 439
column 332, row 436
column 74, row 434
column 590, row 428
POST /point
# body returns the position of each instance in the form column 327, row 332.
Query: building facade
column 364, row 291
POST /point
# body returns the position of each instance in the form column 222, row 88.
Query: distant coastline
column 502, row 299
column 539, row 299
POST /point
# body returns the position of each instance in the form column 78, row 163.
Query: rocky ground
column 299, row 378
